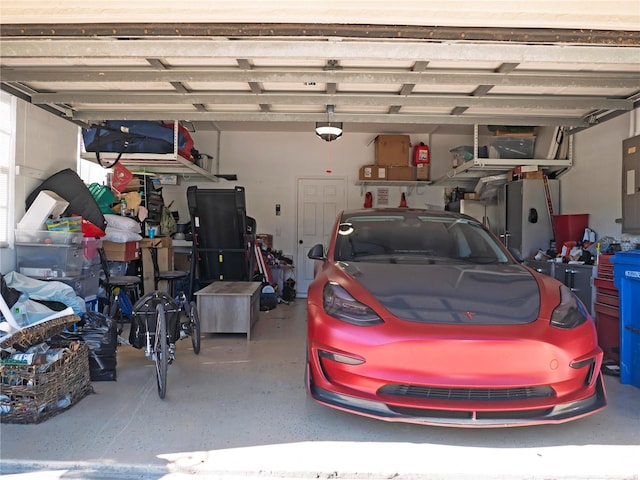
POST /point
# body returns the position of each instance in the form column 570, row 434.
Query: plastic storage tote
column 50, row 261
column 48, row 237
column 515, row 147
column 626, row 277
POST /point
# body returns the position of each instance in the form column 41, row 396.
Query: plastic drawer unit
column 626, row 273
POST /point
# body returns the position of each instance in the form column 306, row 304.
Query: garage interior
column 250, row 82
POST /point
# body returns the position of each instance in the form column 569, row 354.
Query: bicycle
column 156, row 326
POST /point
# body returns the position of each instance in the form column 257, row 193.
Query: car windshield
column 415, row 238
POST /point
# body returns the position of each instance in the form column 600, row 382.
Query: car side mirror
column 316, row 252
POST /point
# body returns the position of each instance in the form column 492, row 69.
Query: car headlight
column 570, row 313
column 339, row 304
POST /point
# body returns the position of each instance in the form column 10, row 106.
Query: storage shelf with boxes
column 393, row 162
column 497, row 150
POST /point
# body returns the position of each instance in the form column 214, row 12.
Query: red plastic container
column 421, row 154
column 569, row 227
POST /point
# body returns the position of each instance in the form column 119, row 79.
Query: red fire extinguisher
column 368, row 200
column 421, row 154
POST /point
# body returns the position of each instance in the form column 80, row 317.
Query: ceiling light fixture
column 329, row 131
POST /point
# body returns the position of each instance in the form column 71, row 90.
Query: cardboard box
column 47, row 204
column 266, row 239
column 401, row 173
column 165, row 264
column 392, row 150
column 528, row 172
column 134, row 185
column 373, row 172
column 533, row 175
column 471, row 196
column 422, row 171
column 182, row 261
column 121, row 252
column 158, row 242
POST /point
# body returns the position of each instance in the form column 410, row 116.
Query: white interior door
column 319, row 202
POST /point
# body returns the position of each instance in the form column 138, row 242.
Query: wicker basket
column 34, row 334
column 33, row 393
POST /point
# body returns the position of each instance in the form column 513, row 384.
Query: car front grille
column 467, row 394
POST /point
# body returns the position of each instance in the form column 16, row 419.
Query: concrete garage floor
column 240, row 410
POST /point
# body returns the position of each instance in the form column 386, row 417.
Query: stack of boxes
column 392, row 160
column 55, row 249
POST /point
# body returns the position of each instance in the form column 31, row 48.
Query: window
column 7, row 160
column 90, row 172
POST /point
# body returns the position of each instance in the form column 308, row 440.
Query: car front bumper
column 560, row 413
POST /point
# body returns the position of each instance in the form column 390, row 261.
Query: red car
column 424, row 317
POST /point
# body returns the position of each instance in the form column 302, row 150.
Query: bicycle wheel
column 161, row 350
column 194, row 326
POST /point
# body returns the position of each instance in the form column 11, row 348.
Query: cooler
column 626, row 273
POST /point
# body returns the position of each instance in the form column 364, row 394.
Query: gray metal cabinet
column 579, row 278
column 631, row 185
column 541, row 267
column 527, row 224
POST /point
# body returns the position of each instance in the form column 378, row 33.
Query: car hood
column 451, row 294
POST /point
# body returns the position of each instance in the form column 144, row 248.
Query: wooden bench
column 229, row 307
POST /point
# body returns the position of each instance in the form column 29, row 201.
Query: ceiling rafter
column 318, row 48
column 160, row 65
column 584, row 36
column 192, row 115
column 356, row 99
column 255, row 87
column 211, row 75
column 482, row 90
column 407, row 88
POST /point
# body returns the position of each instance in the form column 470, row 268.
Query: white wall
column 268, row 165
column 594, row 183
column 46, row 144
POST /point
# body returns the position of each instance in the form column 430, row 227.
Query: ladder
column 547, row 194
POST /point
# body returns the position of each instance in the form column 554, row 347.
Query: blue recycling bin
column 626, row 277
